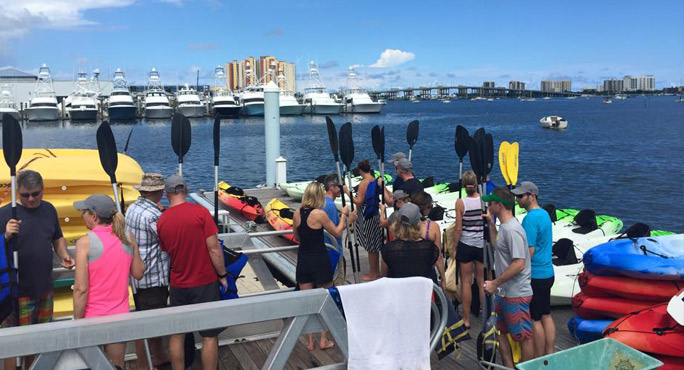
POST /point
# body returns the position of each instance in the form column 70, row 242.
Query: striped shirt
column 141, row 220
column 473, row 224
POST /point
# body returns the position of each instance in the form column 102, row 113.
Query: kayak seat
column 564, row 252
column 436, row 213
column 428, row 182
column 638, row 230
column 454, row 186
column 235, row 191
column 551, row 209
column 287, row 213
column 586, row 219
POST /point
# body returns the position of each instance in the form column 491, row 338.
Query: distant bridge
column 463, row 92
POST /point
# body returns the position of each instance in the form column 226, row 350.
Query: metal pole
column 272, row 130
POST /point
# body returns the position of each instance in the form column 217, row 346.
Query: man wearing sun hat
column 153, row 289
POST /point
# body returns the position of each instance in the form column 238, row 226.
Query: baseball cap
column 399, row 194
column 100, row 204
column 409, row 214
column 526, row 187
column 173, row 182
column 405, row 165
column 396, row 157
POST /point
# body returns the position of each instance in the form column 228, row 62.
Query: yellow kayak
column 279, row 216
column 64, row 302
column 69, row 167
column 64, row 201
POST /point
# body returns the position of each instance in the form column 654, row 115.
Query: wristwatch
column 223, row 276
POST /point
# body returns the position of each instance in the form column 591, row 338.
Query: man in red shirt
column 188, row 234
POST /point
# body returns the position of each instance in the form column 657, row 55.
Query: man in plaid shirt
column 153, row 288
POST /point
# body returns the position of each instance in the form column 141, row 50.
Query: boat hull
column 291, row 110
column 227, row 111
column 42, row 114
column 12, row 112
column 365, row 108
column 121, row 113
column 253, row 109
column 83, row 114
column 158, row 112
column 192, row 111
column 323, row 109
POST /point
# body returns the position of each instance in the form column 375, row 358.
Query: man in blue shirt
column 332, row 191
column 538, row 229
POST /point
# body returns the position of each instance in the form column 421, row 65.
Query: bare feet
column 327, row 344
column 311, row 345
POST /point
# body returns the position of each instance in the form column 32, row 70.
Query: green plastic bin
column 603, row 354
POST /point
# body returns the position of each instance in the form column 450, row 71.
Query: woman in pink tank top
column 105, row 258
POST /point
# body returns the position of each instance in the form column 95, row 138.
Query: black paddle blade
column 12, row 142
column 479, row 136
column 412, row 133
column 217, row 138
column 180, row 134
column 375, row 138
column 332, row 137
column 346, row 145
column 488, row 153
column 382, row 144
column 476, row 158
column 106, row 146
column 462, row 142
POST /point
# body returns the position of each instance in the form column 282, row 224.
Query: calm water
column 624, row 159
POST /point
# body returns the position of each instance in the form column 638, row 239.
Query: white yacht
column 156, row 101
column 82, row 104
column 120, row 105
column 289, row 106
column 554, row 122
column 222, row 99
column 7, row 105
column 43, row 104
column 252, row 96
column 189, row 103
column 356, row 98
column 316, row 99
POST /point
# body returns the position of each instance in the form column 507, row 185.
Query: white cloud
column 18, row 17
column 393, row 57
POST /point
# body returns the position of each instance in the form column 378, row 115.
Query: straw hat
column 151, row 182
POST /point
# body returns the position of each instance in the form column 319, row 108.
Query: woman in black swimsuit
column 313, row 264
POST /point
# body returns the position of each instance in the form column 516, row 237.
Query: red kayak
column 651, row 330
column 624, row 287
column 236, row 199
column 670, row 363
column 596, row 308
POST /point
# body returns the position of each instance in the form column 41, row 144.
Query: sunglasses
column 35, row 194
column 521, row 196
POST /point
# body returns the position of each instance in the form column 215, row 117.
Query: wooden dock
column 251, row 354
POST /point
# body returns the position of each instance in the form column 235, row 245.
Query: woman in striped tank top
column 469, row 242
column 105, row 258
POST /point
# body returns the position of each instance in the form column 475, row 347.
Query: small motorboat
column 554, row 122
column 607, row 101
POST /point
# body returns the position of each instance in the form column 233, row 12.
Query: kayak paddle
column 12, row 146
column 378, row 138
column 461, row 144
column 512, row 163
column 375, row 139
column 412, row 136
column 332, row 138
column 180, row 138
column 488, row 155
column 217, row 148
column 503, row 152
column 347, row 155
column 109, row 159
column 128, row 140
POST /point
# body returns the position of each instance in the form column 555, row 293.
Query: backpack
column 372, row 200
column 6, row 280
column 234, row 262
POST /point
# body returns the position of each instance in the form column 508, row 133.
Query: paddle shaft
column 410, row 152
column 356, row 245
column 460, row 174
column 350, row 233
column 216, row 205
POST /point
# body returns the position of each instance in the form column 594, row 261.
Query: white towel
column 388, row 324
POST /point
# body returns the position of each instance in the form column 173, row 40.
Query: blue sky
column 393, row 43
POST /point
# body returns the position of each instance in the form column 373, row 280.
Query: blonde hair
column 469, row 180
column 314, row 196
column 404, row 231
column 118, row 223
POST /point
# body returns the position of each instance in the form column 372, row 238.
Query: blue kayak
column 586, row 331
column 652, row 258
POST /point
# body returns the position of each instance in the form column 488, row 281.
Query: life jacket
column 372, row 200
column 6, row 280
column 234, row 262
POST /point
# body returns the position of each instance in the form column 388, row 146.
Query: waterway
column 624, row 159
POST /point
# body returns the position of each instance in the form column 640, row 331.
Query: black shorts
column 466, row 253
column 200, row 294
column 541, row 298
column 151, row 298
column 314, row 269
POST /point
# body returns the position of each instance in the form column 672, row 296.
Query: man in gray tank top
column 512, row 285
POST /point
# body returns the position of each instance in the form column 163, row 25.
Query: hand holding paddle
column 180, row 138
column 412, row 136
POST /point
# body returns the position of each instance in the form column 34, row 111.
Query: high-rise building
column 630, row 83
column 646, row 83
column 516, row 85
column 556, row 86
column 489, row 84
column 614, row 85
column 252, row 71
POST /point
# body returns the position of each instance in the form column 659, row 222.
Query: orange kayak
column 636, row 289
column 236, row 199
column 279, row 216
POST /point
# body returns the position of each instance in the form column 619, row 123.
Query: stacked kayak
column 235, row 198
column 279, row 216
column 70, row 175
column 585, row 331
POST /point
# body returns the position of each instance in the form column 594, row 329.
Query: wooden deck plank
column 227, row 360
column 243, row 357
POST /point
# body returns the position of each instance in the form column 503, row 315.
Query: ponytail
column 118, row 223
